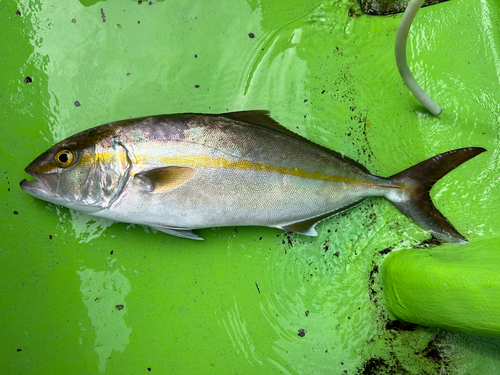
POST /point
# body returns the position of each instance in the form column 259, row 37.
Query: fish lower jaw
column 39, row 190
column 35, row 188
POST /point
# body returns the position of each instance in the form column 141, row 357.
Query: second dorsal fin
column 263, row 118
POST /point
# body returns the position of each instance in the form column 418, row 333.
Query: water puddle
column 104, row 293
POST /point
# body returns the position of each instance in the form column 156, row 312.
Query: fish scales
column 181, row 172
column 246, row 175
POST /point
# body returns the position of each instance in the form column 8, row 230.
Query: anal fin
column 178, row 232
column 306, row 227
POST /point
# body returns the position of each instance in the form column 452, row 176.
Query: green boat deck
column 80, row 295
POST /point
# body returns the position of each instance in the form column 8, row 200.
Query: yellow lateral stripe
column 208, row 162
column 204, row 161
column 103, row 158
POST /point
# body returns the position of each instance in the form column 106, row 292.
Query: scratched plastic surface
column 86, row 296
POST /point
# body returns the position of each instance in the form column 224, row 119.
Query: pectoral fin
column 161, row 180
column 184, row 233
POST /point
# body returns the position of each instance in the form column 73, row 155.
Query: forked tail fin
column 416, row 202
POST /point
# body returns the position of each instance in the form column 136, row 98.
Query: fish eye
column 64, row 158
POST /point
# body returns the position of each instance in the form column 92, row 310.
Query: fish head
column 85, row 172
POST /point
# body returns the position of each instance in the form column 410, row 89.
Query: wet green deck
column 80, row 296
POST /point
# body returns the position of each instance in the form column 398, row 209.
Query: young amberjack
column 186, row 171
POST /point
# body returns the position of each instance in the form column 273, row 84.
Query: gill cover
column 108, row 172
column 85, row 177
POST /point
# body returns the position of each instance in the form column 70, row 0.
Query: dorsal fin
column 257, row 117
column 263, row 118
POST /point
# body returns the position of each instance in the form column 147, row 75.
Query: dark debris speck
column 119, row 307
column 302, row 332
column 429, row 243
column 251, row 35
column 385, row 251
column 196, row 86
column 18, row 12
column 77, row 104
column 16, row 213
column 433, row 351
column 28, row 80
column 19, row 350
column 400, row 326
column 380, row 366
column 73, row 20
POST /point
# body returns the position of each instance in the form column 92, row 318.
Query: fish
column 181, row 172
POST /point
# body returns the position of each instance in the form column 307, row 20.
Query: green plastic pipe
column 449, row 287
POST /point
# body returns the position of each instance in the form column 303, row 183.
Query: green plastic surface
column 447, row 287
column 85, row 296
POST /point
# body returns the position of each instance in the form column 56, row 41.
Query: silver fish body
column 188, row 171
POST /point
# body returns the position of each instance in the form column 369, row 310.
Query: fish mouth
column 46, row 186
column 40, row 187
column 35, row 188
